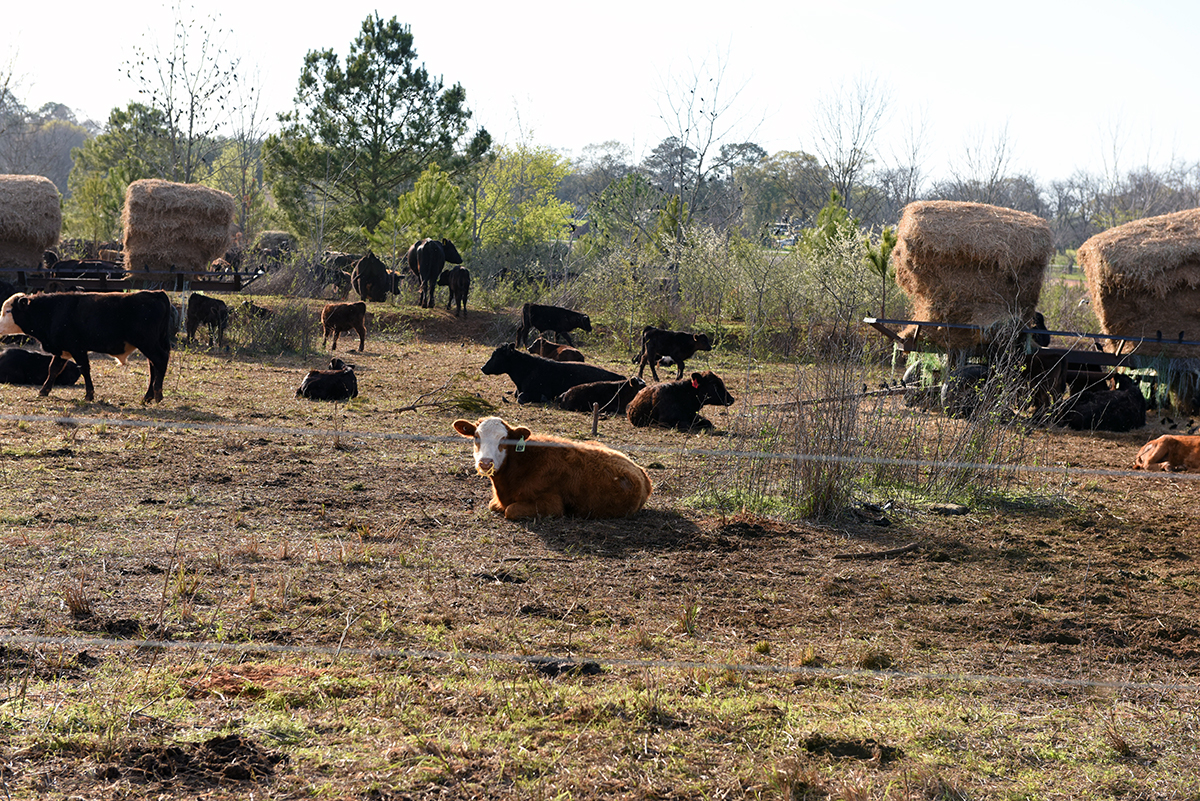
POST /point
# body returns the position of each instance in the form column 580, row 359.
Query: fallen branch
column 912, row 546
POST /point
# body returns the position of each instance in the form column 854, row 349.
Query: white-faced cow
column 70, row 325
column 539, row 380
column 337, row 318
column 677, row 404
column 551, row 318
column 544, row 476
column 1170, row 452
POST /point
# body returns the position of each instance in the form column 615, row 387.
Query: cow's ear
column 464, row 427
column 519, row 433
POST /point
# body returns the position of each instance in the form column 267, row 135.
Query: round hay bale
column 969, row 264
column 1144, row 278
column 30, row 220
column 175, row 227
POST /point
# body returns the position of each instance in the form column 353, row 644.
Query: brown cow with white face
column 544, row 476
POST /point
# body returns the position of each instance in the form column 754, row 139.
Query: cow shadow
column 648, row 530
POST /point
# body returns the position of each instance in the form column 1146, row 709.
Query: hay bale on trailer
column 30, row 220
column 969, row 263
column 1144, row 277
column 172, row 227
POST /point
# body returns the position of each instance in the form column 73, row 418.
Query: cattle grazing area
column 345, row 617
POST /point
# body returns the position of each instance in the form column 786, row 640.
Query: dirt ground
column 302, row 534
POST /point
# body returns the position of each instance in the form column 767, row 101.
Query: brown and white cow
column 1170, row 452
column 545, row 476
column 559, row 353
column 339, row 317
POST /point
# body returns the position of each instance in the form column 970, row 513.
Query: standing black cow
column 370, row 278
column 658, row 343
column 459, row 280
column 539, row 380
column 203, row 310
column 69, row 325
column 551, row 318
column 431, row 256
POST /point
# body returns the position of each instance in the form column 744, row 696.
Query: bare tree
column 846, row 124
column 698, row 110
column 190, row 82
column 902, row 179
column 984, row 167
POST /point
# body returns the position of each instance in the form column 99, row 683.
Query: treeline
column 377, row 152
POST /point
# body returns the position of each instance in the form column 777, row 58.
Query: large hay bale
column 1144, row 277
column 175, row 227
column 969, row 264
column 30, row 220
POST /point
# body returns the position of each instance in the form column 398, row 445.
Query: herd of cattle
column 531, row 475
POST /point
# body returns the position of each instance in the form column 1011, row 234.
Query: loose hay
column 969, row 263
column 175, row 227
column 1144, row 277
column 30, row 220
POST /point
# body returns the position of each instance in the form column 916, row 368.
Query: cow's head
column 711, row 389
column 489, row 435
column 8, row 326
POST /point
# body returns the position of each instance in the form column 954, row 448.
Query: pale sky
column 1069, row 83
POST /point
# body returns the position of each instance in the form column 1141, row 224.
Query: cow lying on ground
column 19, row 366
column 559, row 353
column 1120, row 409
column 540, row 380
column 70, row 325
column 337, row 318
column 611, row 396
column 544, row 476
column 551, row 318
column 338, row 383
column 676, row 404
column 212, row 312
column 658, row 343
column 458, row 278
column 251, row 309
column 1170, row 452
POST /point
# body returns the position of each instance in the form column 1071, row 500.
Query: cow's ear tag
column 520, row 445
column 695, row 384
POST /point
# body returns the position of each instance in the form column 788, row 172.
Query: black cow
column 658, row 343
column 370, row 278
column 203, row 310
column 339, row 317
column 676, row 404
column 338, row 383
column 19, row 366
column 539, row 380
column 67, row 269
column 551, row 318
column 611, row 396
column 69, row 325
column 1119, row 409
column 251, row 309
column 459, row 281
column 431, row 256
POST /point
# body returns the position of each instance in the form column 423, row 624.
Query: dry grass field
column 333, row 612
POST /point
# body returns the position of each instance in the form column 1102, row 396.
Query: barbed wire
column 788, row 456
column 566, row 663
